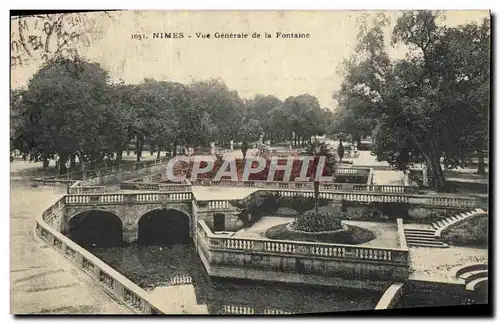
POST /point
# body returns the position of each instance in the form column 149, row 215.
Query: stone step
column 419, row 231
column 420, row 237
column 430, row 233
column 472, row 285
column 473, row 275
column 471, row 268
column 433, row 245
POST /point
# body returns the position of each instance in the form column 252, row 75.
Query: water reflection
column 154, row 266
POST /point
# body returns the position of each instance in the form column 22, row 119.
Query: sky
column 280, row 67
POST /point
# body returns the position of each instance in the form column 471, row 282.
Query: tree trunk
column 174, row 149
column 138, row 149
column 119, row 156
column 158, row 154
column 481, row 168
column 62, row 163
column 73, row 161
column 244, row 149
column 435, row 174
column 45, row 163
column 316, row 197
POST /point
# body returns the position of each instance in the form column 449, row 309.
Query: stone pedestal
column 231, row 143
column 212, row 148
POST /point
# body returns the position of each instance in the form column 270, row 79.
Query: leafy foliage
column 311, row 221
column 431, row 106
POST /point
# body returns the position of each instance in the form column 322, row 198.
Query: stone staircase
column 430, row 237
column 423, row 238
column 453, row 219
column 474, row 276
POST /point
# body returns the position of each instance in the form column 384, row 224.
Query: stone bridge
column 128, row 208
column 220, row 215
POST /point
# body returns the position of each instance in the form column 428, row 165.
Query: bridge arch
column 95, row 228
column 164, row 226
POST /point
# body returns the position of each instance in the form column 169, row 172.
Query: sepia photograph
column 257, row 163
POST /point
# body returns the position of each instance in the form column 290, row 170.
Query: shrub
column 312, row 222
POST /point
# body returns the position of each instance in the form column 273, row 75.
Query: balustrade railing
column 108, row 278
column 93, row 173
column 307, row 186
column 77, row 188
column 117, row 198
column 164, row 187
column 326, row 250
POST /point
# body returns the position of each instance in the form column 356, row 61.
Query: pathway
column 439, row 264
column 221, row 193
column 41, row 280
column 388, row 177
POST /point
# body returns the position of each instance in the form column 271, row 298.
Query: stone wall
column 392, row 211
column 300, row 262
column 472, row 232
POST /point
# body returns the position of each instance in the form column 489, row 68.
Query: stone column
column 130, row 233
column 212, row 148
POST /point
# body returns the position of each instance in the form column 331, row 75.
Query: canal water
column 156, row 266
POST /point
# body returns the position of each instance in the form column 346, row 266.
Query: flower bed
column 347, row 234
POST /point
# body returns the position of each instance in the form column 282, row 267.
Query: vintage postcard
column 249, row 162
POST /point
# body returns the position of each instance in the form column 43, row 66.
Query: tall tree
column 416, row 101
column 63, row 109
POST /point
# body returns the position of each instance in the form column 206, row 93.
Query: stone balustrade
column 324, row 250
column 353, row 171
column 118, row 198
column 307, row 186
column 62, row 179
column 106, row 277
column 53, row 182
column 300, row 262
column 375, row 197
column 249, row 310
column 78, row 188
column 166, row 187
column 218, row 205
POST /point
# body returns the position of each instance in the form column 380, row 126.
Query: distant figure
column 340, row 151
column 425, row 179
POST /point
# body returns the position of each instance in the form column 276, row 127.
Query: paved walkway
column 221, row 193
column 388, row 177
column 41, row 280
column 366, row 159
column 440, row 264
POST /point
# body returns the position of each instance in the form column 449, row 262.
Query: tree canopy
column 70, row 109
column 430, row 106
